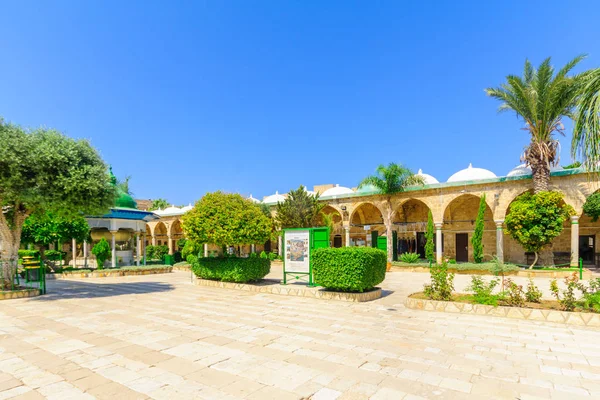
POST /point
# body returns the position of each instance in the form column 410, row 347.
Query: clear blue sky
column 258, row 96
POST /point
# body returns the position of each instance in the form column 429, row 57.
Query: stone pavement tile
column 74, row 375
column 212, row 377
column 13, row 392
column 388, row 394
column 326, row 394
column 242, row 387
column 353, row 396
column 179, row 366
column 455, row 384
column 31, row 395
column 91, row 381
column 269, row 392
column 10, row 383
column 114, row 391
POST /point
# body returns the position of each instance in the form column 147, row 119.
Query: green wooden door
column 382, row 243
column 320, row 237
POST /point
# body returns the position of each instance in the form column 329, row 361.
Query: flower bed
column 488, row 269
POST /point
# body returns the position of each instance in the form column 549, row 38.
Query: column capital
column 575, row 219
column 113, row 232
column 438, row 225
column 499, row 223
column 346, row 228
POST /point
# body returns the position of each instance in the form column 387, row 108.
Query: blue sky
column 253, row 97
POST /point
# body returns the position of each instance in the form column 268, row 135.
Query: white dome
column 274, row 198
column 471, row 174
column 252, row 199
column 172, row 210
column 524, row 170
column 187, row 208
column 428, row 179
column 337, row 191
column 310, row 192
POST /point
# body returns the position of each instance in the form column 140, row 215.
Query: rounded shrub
column 230, row 269
column 349, row 269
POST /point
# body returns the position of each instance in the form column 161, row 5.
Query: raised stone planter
column 526, row 273
column 107, row 273
column 181, row 267
column 273, row 287
column 19, row 294
column 565, row 317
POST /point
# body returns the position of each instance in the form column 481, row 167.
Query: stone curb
column 587, row 274
column 293, row 291
column 564, row 317
column 181, row 268
column 19, row 294
column 109, row 273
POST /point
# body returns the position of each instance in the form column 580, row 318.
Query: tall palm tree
column 389, row 181
column 542, row 99
column 586, row 133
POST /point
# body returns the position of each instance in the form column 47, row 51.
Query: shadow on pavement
column 83, row 290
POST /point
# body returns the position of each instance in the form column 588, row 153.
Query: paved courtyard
column 160, row 337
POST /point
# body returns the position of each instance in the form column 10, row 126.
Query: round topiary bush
column 349, row 269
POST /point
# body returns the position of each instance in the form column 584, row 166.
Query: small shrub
column 263, row 254
column 273, row 256
column 514, row 294
column 409, row 257
column 157, row 252
column 29, row 253
column 349, row 269
column 55, row 255
column 452, row 261
column 533, row 294
column 102, row 252
column 567, row 298
column 190, row 247
column 181, row 243
column 230, row 269
column 483, row 292
column 591, row 296
column 442, row 283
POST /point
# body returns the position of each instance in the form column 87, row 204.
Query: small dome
column 337, row 191
column 187, row 208
column 524, row 170
column 274, row 198
column 252, row 199
column 367, row 189
column 125, row 201
column 427, row 178
column 471, row 174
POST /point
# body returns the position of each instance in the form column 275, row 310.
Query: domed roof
column 337, row 190
column 471, row 174
column 524, row 170
column 367, row 189
column 124, row 200
column 274, row 198
column 427, row 178
column 252, row 199
column 187, row 208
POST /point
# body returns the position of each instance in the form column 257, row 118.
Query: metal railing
column 29, row 274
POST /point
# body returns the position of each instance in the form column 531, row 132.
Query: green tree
column 226, row 219
column 429, row 254
column 477, row 238
column 591, row 207
column 534, row 220
column 43, row 170
column 299, row 210
column 391, row 180
column 159, row 204
column 542, row 98
column 44, row 229
column 102, row 252
column 586, row 132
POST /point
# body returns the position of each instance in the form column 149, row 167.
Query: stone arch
column 450, row 198
column 337, row 233
column 176, row 232
column 365, row 214
column 160, row 236
column 410, row 222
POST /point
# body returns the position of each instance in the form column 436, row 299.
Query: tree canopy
column 43, row 170
column 299, row 210
column 159, row 204
column 586, row 133
column 226, row 219
column 46, row 228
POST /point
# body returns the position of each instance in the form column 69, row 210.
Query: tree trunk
column 541, row 183
column 388, row 232
column 11, row 240
column 530, row 267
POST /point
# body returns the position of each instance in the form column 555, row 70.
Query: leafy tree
column 477, row 239
column 391, row 180
column 190, row 248
column 41, row 171
column 429, row 254
column 102, row 252
column 586, row 132
column 534, row 220
column 226, row 219
column 159, row 204
column 44, row 229
column 591, row 207
column 574, row 165
column 299, row 210
column 542, row 98
column 124, row 185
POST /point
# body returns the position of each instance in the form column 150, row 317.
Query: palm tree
column 389, row 181
column 541, row 98
column 586, row 133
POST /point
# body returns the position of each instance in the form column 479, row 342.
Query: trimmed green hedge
column 230, row 269
column 349, row 269
column 29, row 253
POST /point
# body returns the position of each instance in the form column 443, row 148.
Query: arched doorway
column 410, row 223
column 366, row 225
column 337, row 228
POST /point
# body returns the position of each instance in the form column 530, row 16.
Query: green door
column 382, row 243
column 320, row 237
column 374, row 239
column 395, row 246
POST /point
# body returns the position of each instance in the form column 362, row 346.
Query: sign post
column 298, row 244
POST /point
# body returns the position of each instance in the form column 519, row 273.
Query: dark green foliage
column 102, row 252
column 442, row 283
column 49, row 228
column 181, row 243
column 230, row 269
column 484, row 291
column 410, row 258
column 477, row 238
column 29, row 253
column 429, row 246
column 177, row 256
column 54, row 255
column 157, row 252
column 535, row 219
column 299, row 210
column 592, row 206
column 349, row 269
column 533, row 294
column 159, row 204
column 190, row 248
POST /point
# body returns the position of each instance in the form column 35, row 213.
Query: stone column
column 74, row 250
column 575, row 241
column 153, row 240
column 499, row 240
column 205, row 249
column 438, row 243
column 279, row 245
column 347, row 231
column 252, row 248
column 170, row 245
column 144, row 244
column 85, row 253
column 114, row 249
column 138, row 250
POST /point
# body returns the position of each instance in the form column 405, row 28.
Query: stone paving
column 161, row 337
